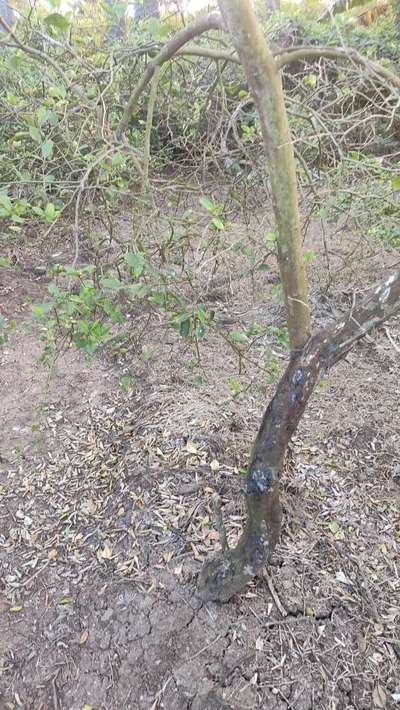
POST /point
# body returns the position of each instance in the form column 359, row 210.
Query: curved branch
column 212, row 21
column 296, row 54
column 209, row 52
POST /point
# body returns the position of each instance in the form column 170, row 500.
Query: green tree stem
column 265, row 84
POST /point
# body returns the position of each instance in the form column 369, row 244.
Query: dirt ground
column 105, row 517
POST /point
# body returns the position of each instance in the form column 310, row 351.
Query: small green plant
column 249, row 133
column 193, row 321
column 236, row 387
column 127, row 382
column 6, row 328
column 77, row 312
column 216, row 210
column 281, row 336
column 13, row 210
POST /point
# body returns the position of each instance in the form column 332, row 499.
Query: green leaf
column 153, row 26
column 127, row 382
column 13, row 100
column 238, row 337
column 14, row 61
column 136, row 261
column 200, row 330
column 201, row 313
column 41, row 116
column 57, row 92
column 118, row 160
column 207, row 203
column 264, row 267
column 54, row 290
column 139, row 290
column 49, row 179
column 271, row 237
column 52, row 118
column 57, row 21
column 236, row 387
column 91, row 92
column 396, row 183
column 47, row 149
column 310, row 80
column 40, row 309
column 5, row 263
column 309, row 255
column 5, row 202
column 35, row 134
column 217, row 223
column 184, row 326
column 50, row 212
column 111, row 283
column 246, row 251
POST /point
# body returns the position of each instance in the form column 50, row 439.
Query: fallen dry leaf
column 84, row 636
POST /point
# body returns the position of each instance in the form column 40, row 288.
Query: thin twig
column 216, row 501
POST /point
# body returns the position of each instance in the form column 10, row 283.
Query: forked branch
column 228, row 572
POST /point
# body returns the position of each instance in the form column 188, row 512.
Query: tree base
column 223, row 576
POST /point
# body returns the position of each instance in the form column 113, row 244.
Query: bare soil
column 106, row 517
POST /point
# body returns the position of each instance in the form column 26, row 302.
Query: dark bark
column 146, row 8
column 228, row 572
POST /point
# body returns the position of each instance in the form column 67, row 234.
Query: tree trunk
column 264, row 79
column 229, row 572
column 146, row 8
